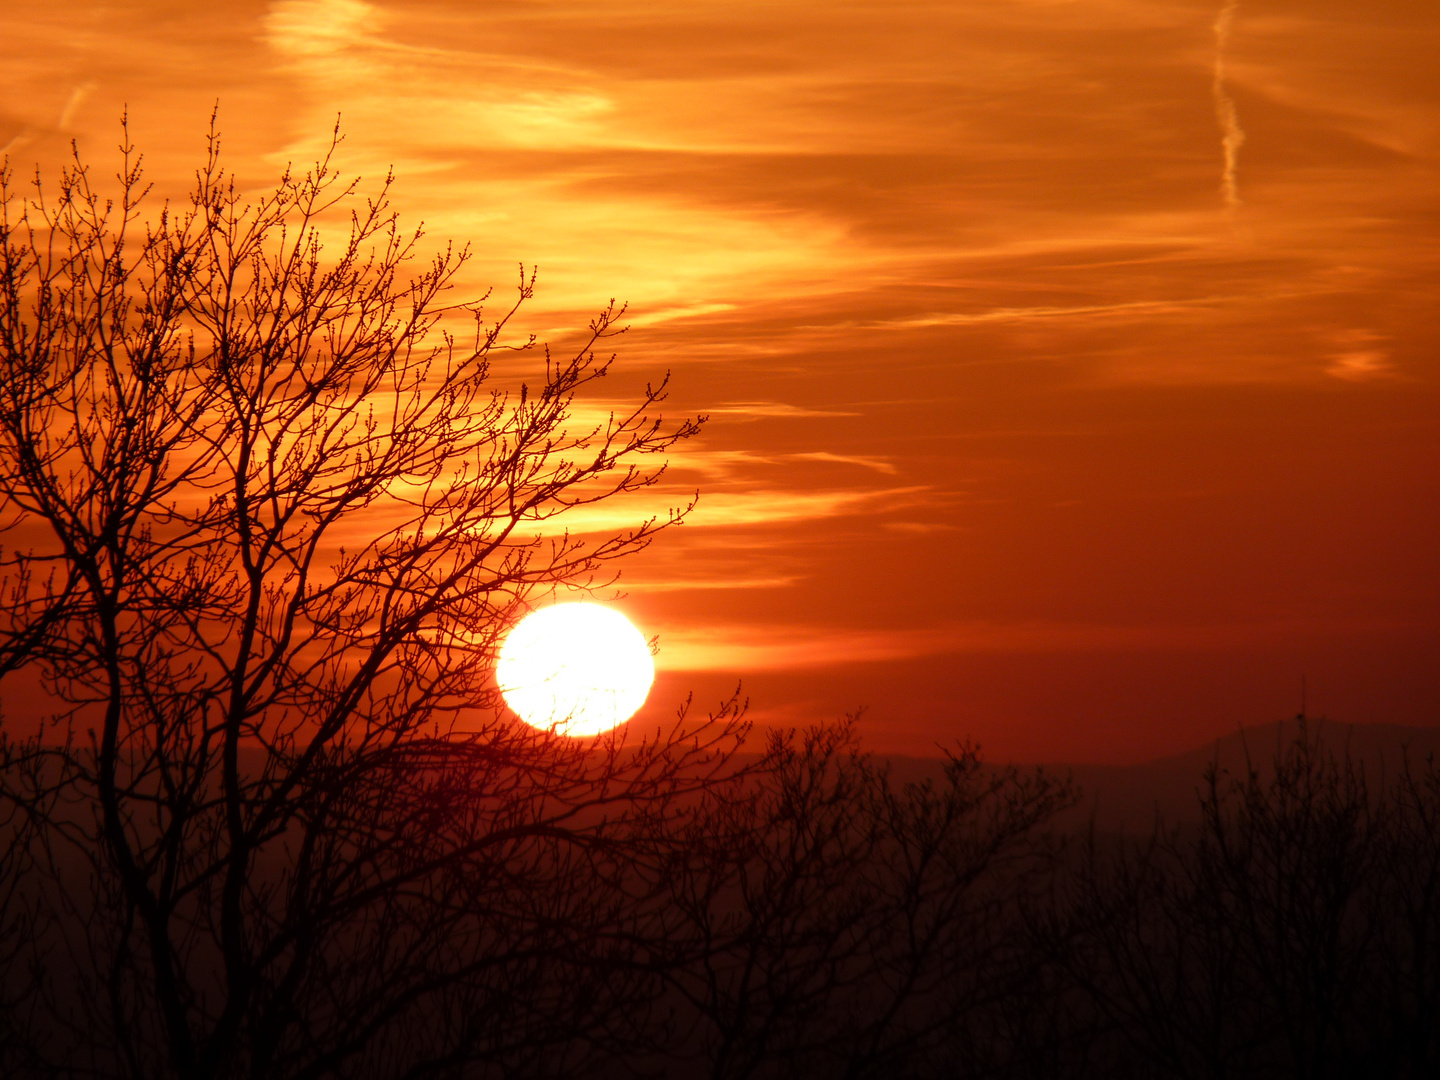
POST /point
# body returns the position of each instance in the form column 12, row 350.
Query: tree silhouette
column 1294, row 932
column 268, row 518
column 846, row 925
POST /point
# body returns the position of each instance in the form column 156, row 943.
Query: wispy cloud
column 1231, row 137
column 732, row 509
column 73, row 104
column 318, row 28
column 731, row 464
column 768, row 647
column 632, row 584
column 919, row 528
column 880, row 465
column 1358, row 356
column 1129, row 308
column 764, row 410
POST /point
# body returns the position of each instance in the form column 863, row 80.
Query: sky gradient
column 1073, row 367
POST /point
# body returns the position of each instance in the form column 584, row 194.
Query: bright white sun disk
column 577, row 668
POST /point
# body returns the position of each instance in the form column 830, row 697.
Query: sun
column 578, row 669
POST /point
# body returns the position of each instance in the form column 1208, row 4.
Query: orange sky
column 1072, row 366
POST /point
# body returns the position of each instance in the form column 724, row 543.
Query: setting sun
column 578, row 668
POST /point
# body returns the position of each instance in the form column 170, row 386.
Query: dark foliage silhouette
column 849, row 926
column 1294, row 932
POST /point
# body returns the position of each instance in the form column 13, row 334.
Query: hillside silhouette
column 1126, row 799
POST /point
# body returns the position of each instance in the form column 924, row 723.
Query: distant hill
column 1126, row 798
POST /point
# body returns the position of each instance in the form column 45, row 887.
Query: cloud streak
column 736, row 509
column 1231, row 136
column 770, row 647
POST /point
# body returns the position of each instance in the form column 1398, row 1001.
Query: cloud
column 919, row 528
column 731, row 509
column 307, row 29
column 763, row 410
column 72, row 105
column 683, row 311
column 1362, row 364
column 767, row 647
column 728, row 464
column 686, row 584
column 1357, row 358
column 1140, row 308
column 880, row 465
column 1231, row 137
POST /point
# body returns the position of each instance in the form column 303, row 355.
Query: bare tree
column 846, row 925
column 268, row 517
column 1295, row 932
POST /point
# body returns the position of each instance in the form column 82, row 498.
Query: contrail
column 1231, row 137
column 77, row 98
